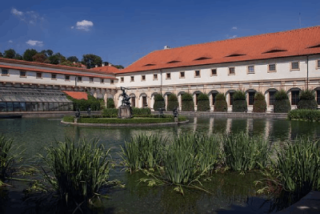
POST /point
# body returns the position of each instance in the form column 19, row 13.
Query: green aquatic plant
column 6, row 158
column 243, row 152
column 76, row 170
column 143, row 152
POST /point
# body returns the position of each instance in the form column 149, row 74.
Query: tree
column 91, row 60
column 57, row 59
column 47, row 53
column 39, row 57
column 28, row 54
column 220, row 104
column 260, row 104
column 110, row 103
column 1, row 55
column 73, row 59
column 118, row 66
column 239, row 102
column 18, row 56
column 10, row 53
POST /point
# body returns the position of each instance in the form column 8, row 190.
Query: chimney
column 166, row 47
column 110, row 64
column 103, row 64
column 96, row 66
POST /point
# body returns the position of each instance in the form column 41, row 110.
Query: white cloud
column 16, row 12
column 72, row 27
column 10, row 41
column 29, row 17
column 35, row 43
column 232, row 36
column 234, row 28
column 84, row 25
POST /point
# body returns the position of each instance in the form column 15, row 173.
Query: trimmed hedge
column 260, row 104
column 187, row 102
column 158, row 102
column 137, row 120
column 110, row 103
column 239, row 102
column 141, row 111
column 69, row 119
column 172, row 102
column 307, row 100
column 109, row 112
column 220, row 104
column 304, row 114
column 203, row 103
column 83, row 105
column 281, row 103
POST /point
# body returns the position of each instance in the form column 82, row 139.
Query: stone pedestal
column 124, row 112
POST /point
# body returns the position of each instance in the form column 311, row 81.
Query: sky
column 122, row 31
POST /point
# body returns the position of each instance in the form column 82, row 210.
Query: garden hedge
column 304, row 114
column 172, row 102
column 220, row 104
column 110, row 112
column 83, row 104
column 203, row 103
column 260, row 104
column 187, row 102
column 110, row 103
column 141, row 111
column 281, row 103
column 239, row 102
column 307, row 100
column 158, row 102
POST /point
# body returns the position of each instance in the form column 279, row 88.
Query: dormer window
column 232, row 71
column 274, row 51
column 315, row 46
column 235, row 55
column 168, row 75
column 149, row 64
column 202, row 58
column 197, row 73
column 295, row 66
column 143, row 78
column 173, row 61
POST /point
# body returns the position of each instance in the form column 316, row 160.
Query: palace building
column 288, row 60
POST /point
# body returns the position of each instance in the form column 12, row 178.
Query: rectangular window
column 318, row 63
column 90, row 79
column 271, row 97
column 23, row 74
column 250, row 69
column 143, row 78
column 67, row 77
column 294, row 97
column 213, row 72
column 122, row 79
column 213, row 98
column 101, row 80
column 197, row 73
column 111, row 82
column 318, row 97
column 272, row 67
column 232, row 71
column 168, row 76
column 197, row 95
column 231, row 98
column 39, row 75
column 53, row 76
column 4, row 72
column 155, row 76
column 133, row 101
column 132, row 78
column 251, row 98
column 182, row 74
column 144, row 102
column 295, row 66
column 79, row 79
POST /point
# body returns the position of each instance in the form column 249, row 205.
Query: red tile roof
column 56, row 72
column 106, row 69
column 77, row 95
column 297, row 42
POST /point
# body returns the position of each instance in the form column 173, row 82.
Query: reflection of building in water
column 211, row 123
column 267, row 129
column 249, row 128
column 195, row 124
column 229, row 125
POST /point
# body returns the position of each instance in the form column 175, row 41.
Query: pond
column 230, row 192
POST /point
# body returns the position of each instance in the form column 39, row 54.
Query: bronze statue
column 126, row 98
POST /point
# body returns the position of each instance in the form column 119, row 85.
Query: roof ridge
column 239, row 38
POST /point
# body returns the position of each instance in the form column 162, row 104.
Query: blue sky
column 123, row 31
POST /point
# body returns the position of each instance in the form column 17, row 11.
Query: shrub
column 110, row 112
column 281, row 103
column 83, row 105
column 304, row 114
column 143, row 152
column 260, row 104
column 77, row 171
column 244, row 152
column 110, row 103
column 239, row 102
column 158, row 102
column 187, row 102
column 172, row 102
column 69, row 119
column 141, row 111
column 203, row 103
column 220, row 104
column 307, row 100
column 6, row 157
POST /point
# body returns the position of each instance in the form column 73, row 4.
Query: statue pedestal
column 124, row 112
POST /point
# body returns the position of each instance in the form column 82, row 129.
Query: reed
column 6, row 156
column 77, row 170
column 143, row 152
column 243, row 152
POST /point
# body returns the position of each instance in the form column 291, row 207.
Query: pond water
column 230, row 192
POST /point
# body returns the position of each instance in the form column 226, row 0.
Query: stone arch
column 229, row 95
column 143, row 100
column 152, row 99
column 293, row 94
column 133, row 100
column 250, row 96
column 270, row 96
column 212, row 97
